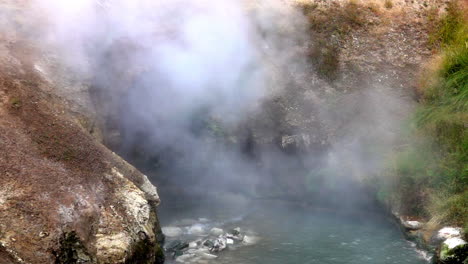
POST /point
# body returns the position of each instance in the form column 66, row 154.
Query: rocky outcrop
column 452, row 249
column 441, row 245
column 194, row 241
column 64, row 197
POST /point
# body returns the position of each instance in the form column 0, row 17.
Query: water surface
column 291, row 233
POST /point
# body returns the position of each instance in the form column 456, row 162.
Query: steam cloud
column 170, row 68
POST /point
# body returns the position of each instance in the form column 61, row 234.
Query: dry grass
column 388, row 4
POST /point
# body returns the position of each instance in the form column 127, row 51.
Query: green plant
column 430, row 175
column 450, row 28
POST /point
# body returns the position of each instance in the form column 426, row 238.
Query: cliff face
column 64, row 198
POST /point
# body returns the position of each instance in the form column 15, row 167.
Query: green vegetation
column 430, row 176
column 448, row 30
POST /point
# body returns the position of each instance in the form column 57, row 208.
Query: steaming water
column 290, row 233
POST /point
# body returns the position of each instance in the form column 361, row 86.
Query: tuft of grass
column 388, row 4
column 16, row 103
column 449, row 29
column 354, row 14
column 445, row 206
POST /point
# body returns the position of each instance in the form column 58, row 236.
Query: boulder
column 454, row 250
column 64, row 196
column 448, row 232
column 219, row 244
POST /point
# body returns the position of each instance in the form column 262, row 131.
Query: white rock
column 149, row 189
column 454, row 242
column 229, row 241
column 112, row 246
column 449, row 232
column 216, row 231
column 412, row 224
column 219, row 244
column 172, row 231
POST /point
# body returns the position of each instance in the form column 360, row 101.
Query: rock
column 448, row 232
column 229, row 241
column 149, row 189
column 216, row 231
column 176, row 246
column 454, row 251
column 412, row 225
column 208, row 243
column 239, row 237
column 172, row 231
column 236, row 231
column 43, row 234
column 454, row 242
column 219, row 244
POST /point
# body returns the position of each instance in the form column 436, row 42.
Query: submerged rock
column 200, row 250
column 176, row 245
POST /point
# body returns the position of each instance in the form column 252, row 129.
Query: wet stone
column 176, row 246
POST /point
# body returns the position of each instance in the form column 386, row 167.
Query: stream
column 285, row 232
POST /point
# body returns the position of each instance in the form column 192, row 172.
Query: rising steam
column 170, row 74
